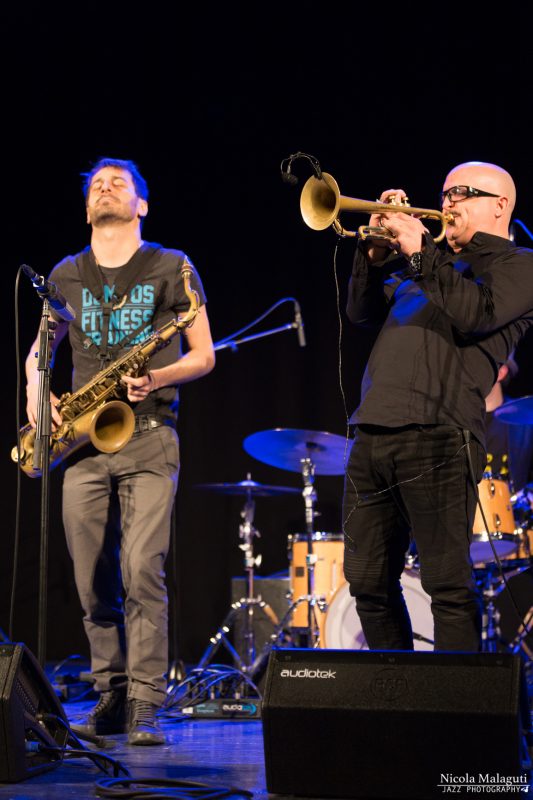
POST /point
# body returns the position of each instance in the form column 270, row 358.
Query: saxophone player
column 117, row 507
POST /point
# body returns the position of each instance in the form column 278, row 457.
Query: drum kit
column 321, row 612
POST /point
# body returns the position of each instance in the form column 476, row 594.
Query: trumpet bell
column 320, row 202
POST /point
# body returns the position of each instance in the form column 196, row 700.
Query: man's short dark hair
column 141, row 187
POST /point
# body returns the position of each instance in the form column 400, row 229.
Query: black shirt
column 442, row 336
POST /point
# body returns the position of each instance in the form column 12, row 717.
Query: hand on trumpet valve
column 406, row 231
column 379, row 245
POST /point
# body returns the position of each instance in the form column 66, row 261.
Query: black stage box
column 360, row 724
column 31, row 716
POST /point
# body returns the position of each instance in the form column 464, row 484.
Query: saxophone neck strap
column 92, row 278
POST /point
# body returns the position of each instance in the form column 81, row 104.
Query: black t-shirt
column 159, row 290
column 443, row 337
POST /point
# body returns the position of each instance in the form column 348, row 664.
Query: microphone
column 49, row 290
column 299, row 324
column 286, row 165
column 288, row 177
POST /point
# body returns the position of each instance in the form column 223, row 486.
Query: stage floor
column 220, row 753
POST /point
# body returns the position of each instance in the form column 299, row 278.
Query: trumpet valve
column 397, row 200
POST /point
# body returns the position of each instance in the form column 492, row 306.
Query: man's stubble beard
column 101, row 217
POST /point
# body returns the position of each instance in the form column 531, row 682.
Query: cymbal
column 285, row 448
column 516, row 412
column 248, row 487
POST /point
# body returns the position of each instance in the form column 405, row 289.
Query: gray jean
column 116, row 513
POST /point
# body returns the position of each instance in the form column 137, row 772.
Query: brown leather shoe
column 143, row 727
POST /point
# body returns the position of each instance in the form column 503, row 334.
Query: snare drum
column 328, row 574
column 495, row 500
column 343, row 630
column 523, row 554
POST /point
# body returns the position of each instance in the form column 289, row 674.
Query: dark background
column 208, row 108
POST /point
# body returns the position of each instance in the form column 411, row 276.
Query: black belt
column 147, row 422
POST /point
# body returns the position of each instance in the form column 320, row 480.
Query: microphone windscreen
column 287, row 177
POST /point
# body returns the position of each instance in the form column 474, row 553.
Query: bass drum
column 343, row 631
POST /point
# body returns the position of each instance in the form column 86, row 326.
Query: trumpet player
column 446, row 321
column 117, row 506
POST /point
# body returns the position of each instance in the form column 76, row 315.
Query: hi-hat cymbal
column 248, row 487
column 286, row 447
column 516, row 412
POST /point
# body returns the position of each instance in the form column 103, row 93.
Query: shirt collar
column 487, row 242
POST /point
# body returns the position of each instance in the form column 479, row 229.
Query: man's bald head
column 484, row 214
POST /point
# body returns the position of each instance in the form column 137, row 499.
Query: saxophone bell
column 108, row 428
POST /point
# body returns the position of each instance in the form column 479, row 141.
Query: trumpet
column 321, row 203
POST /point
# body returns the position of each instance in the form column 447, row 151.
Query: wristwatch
column 415, row 265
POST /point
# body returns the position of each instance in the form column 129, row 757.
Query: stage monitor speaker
column 31, row 716
column 360, row 724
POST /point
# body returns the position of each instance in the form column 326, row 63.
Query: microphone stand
column 234, row 343
column 41, row 460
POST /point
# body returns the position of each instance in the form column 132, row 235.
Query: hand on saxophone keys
column 139, row 388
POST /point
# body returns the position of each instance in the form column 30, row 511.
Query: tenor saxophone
column 94, row 413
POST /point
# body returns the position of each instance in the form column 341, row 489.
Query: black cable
column 81, row 750
column 99, row 759
column 71, row 657
column 393, row 486
column 16, row 542
column 132, row 787
column 195, row 689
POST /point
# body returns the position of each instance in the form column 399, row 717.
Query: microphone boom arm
column 234, row 343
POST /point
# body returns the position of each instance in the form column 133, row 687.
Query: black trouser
column 437, row 507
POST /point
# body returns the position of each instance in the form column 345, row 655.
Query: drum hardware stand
column 492, row 585
column 307, row 453
column 309, row 496
column 523, row 631
column 246, row 605
column 490, row 619
column 312, row 633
